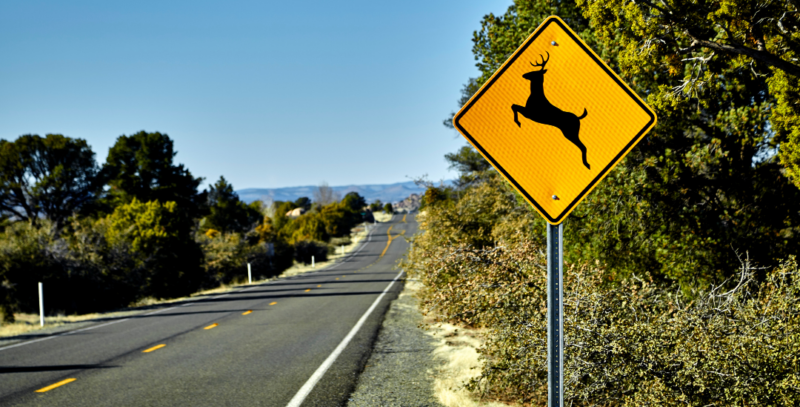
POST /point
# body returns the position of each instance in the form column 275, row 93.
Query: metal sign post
column 555, row 312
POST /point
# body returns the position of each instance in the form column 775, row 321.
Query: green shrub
column 28, row 254
column 635, row 343
column 162, row 244
column 307, row 227
column 335, row 244
column 227, row 255
column 304, row 249
column 81, row 272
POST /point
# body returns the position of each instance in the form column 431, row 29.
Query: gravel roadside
column 400, row 371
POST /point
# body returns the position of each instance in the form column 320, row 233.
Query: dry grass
column 30, row 322
column 382, row 217
column 457, row 350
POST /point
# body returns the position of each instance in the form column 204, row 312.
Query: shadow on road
column 27, row 369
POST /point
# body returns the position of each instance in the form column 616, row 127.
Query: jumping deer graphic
column 540, row 110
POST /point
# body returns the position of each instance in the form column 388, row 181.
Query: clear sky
column 267, row 93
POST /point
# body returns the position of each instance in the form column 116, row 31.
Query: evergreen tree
column 226, row 212
column 141, row 166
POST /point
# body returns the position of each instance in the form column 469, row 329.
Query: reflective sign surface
column 554, row 120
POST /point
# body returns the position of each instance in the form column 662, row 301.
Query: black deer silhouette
column 540, row 110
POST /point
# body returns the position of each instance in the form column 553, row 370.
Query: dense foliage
column 628, row 341
column 681, row 285
column 706, row 182
column 141, row 166
column 51, row 176
column 139, row 227
column 226, row 212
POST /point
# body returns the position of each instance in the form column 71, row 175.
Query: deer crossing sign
column 554, row 119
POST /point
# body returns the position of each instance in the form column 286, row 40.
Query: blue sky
column 269, row 93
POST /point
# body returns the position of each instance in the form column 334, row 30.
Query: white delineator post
column 312, row 262
column 249, row 275
column 41, row 306
column 342, row 250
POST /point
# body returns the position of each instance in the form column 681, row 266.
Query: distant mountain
column 384, row 192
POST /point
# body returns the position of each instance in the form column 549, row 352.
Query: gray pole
column 555, row 312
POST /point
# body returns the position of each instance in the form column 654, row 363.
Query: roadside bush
column 28, row 255
column 629, row 339
column 310, row 226
column 633, row 344
column 637, row 343
column 162, row 244
column 81, row 273
column 227, row 255
column 304, row 249
column 335, row 244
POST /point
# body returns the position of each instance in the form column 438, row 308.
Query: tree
column 303, row 202
column 700, row 46
column 54, row 176
column 141, row 166
column 704, row 183
column 226, row 212
column 469, row 163
column 325, row 195
column 354, row 202
column 388, row 208
column 156, row 233
column 280, row 219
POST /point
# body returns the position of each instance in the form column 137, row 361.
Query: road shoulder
column 400, row 371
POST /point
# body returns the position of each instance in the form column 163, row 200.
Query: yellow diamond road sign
column 554, row 120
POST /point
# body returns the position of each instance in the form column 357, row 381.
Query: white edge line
column 304, row 391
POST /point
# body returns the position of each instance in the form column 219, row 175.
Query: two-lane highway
column 290, row 342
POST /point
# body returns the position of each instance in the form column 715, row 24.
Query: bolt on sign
column 554, row 120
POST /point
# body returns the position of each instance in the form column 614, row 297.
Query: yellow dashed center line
column 272, row 303
column 308, row 290
column 154, row 348
column 319, row 286
column 53, row 386
column 388, row 242
column 247, row 312
column 404, row 218
column 212, row 326
column 337, row 278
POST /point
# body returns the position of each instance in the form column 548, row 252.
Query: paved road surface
column 215, row 353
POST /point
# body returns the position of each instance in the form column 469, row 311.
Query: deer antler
column 544, row 61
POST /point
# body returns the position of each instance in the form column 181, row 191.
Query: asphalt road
column 215, row 352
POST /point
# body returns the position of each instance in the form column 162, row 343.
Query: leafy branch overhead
column 694, row 48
